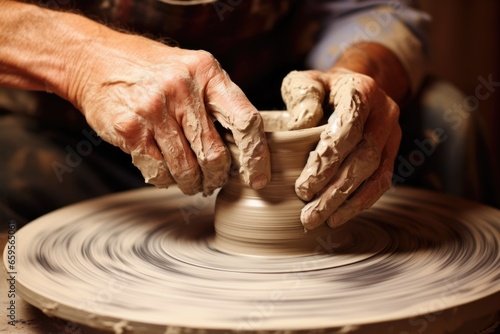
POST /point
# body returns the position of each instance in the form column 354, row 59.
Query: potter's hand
column 352, row 164
column 158, row 104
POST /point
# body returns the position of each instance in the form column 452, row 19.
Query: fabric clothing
column 260, row 41
column 45, row 167
column 400, row 28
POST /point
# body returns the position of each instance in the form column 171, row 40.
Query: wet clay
column 344, row 132
column 304, row 98
column 267, row 221
column 154, row 171
column 248, row 135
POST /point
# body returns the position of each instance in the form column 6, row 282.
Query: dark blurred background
column 465, row 44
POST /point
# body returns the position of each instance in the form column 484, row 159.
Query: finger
column 344, row 132
column 178, row 155
column 212, row 155
column 132, row 137
column 229, row 105
column 193, row 151
column 303, row 93
column 149, row 160
column 362, row 162
column 175, row 148
column 373, row 188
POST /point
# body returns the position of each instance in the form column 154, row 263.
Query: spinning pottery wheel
column 144, row 262
column 148, row 261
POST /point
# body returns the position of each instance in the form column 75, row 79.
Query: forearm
column 379, row 63
column 43, row 49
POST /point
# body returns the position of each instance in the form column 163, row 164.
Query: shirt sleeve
column 392, row 24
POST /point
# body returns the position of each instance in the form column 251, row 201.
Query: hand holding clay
column 158, row 104
column 352, row 164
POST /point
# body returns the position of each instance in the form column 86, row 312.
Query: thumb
column 303, row 93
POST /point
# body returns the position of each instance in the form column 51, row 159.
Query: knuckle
column 205, row 62
column 393, row 110
column 364, row 83
column 360, row 81
column 364, row 88
column 372, row 154
column 188, row 178
column 368, row 156
column 150, row 106
column 385, row 183
column 177, row 87
column 206, row 58
column 248, row 121
column 187, row 171
column 217, row 159
column 178, row 80
column 128, row 125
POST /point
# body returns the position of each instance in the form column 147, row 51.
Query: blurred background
column 465, row 45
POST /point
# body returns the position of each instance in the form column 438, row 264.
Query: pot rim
column 286, row 136
column 290, row 136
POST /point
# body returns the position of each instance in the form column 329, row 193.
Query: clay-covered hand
column 158, row 103
column 352, row 164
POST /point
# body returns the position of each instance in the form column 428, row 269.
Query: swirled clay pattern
column 144, row 261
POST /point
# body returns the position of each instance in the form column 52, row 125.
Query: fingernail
column 311, row 218
column 259, row 181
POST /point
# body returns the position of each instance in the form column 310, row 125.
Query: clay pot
column 267, row 221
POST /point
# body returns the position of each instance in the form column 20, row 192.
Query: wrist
column 81, row 47
column 379, row 63
column 43, row 49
